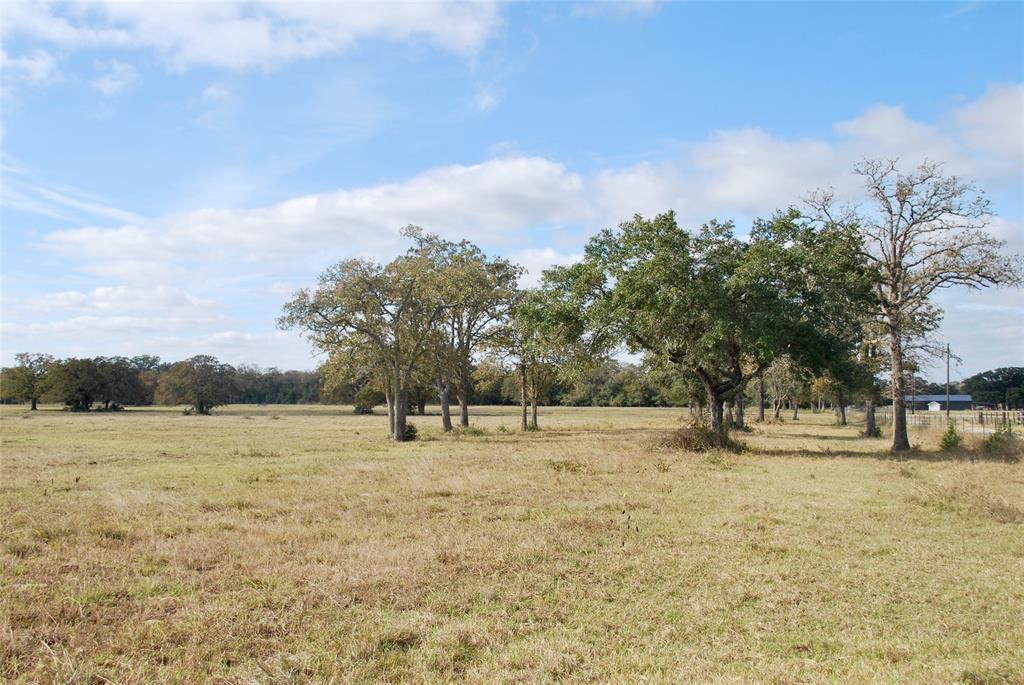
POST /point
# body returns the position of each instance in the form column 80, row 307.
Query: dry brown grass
column 295, row 545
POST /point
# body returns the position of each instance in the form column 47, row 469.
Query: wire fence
column 979, row 421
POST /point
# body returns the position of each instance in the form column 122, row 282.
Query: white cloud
column 260, row 35
column 80, row 326
column 536, row 259
column 536, row 210
column 486, row 99
column 118, row 76
column 36, row 68
column 123, row 299
column 216, row 91
column 21, row 190
column 486, row 200
column 994, row 123
column 736, row 173
column 615, row 8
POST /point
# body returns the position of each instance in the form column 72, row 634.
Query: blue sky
column 171, row 172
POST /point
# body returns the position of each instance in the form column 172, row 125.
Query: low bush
column 950, row 439
column 469, row 430
column 698, row 437
column 366, row 399
column 1004, row 443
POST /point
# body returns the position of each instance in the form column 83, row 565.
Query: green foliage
column 998, row 386
column 382, row 316
column 77, row 383
column 1002, row 440
column 255, row 385
column 950, row 438
column 410, row 431
column 201, row 381
column 366, row 399
column 27, row 380
column 711, row 304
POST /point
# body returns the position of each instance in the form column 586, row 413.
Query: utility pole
column 947, row 382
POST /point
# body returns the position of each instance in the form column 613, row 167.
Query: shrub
column 410, row 432
column 950, row 439
column 698, row 437
column 1003, row 441
column 469, row 430
column 366, row 399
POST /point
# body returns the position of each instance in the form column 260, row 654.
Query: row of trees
column 109, row 383
column 112, row 382
column 820, row 301
column 832, row 296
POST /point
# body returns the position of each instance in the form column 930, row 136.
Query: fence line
column 981, row 421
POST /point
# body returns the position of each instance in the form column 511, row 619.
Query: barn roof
column 937, row 398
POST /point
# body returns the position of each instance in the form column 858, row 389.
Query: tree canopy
column 715, row 305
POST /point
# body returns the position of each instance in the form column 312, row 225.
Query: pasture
column 294, row 544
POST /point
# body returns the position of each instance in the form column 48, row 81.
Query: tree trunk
column 760, row 397
column 717, row 414
column 34, row 404
column 533, row 418
column 444, row 392
column 738, row 403
column 522, row 394
column 401, row 407
column 421, row 405
column 729, row 420
column 777, row 409
column 796, row 410
column 841, row 408
column 389, row 397
column 870, row 427
column 465, row 387
column 900, row 441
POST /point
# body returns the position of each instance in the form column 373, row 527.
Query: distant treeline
column 109, row 383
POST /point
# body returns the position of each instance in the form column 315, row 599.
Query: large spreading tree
column 362, row 309
column 26, row 381
column 479, row 292
column 200, row 381
column 923, row 231
column 715, row 305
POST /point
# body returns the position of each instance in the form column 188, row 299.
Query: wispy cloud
column 116, row 77
column 24, row 192
column 257, row 35
column 503, row 202
column 36, row 68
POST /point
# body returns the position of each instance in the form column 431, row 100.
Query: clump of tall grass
column 1003, row 443
column 698, row 437
column 469, row 430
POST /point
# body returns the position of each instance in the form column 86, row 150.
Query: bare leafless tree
column 923, row 231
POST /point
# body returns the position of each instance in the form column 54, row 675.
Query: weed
column 1004, row 443
column 567, row 465
column 950, row 439
column 473, row 431
column 22, row 548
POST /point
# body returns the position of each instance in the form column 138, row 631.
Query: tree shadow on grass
column 886, row 455
column 812, row 436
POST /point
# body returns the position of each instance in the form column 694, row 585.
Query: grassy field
column 295, row 544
